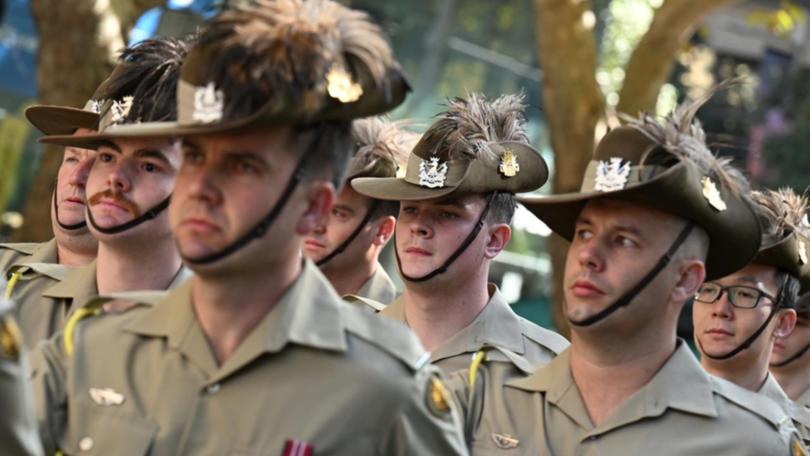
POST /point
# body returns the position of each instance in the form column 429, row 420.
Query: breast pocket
column 99, row 430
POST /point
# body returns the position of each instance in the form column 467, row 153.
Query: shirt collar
column 78, row 285
column 379, row 287
column 308, row 313
column 496, row 326
column 664, row 391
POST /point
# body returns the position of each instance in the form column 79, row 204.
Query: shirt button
column 86, row 444
column 213, row 388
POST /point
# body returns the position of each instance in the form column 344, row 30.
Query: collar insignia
column 612, row 175
column 120, row 109
column 509, row 166
column 339, row 84
column 712, row 195
column 208, row 104
column 433, row 174
column 505, row 441
column 802, row 252
column 106, row 396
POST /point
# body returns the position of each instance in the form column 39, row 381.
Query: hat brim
column 732, row 244
column 396, row 189
column 138, row 130
column 60, row 120
column 784, row 256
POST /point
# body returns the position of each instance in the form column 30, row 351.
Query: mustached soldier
column 737, row 318
column 656, row 214
column 456, row 201
column 256, row 353
column 347, row 245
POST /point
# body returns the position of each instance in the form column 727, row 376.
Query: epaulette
column 364, row 302
column 388, row 335
column 545, row 337
column 26, row 248
column 98, row 305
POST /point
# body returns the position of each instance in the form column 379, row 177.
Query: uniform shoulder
column 544, row 337
column 386, row 335
column 363, row 302
column 751, row 402
column 23, row 248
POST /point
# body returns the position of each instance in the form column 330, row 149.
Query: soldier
column 128, row 188
column 738, row 317
column 256, row 354
column 33, row 267
column 790, row 360
column 656, row 213
column 456, row 202
column 347, row 245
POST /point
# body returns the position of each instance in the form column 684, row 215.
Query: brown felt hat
column 380, row 147
column 786, row 233
column 141, row 88
column 475, row 147
column 63, row 120
column 665, row 165
column 279, row 62
column 803, row 305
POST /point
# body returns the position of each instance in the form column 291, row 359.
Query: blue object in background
column 18, row 47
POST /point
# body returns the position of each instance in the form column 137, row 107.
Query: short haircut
column 788, row 291
column 502, row 208
column 327, row 146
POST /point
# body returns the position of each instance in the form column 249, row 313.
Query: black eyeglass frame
column 760, row 294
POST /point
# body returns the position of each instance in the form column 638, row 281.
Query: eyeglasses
column 740, row 296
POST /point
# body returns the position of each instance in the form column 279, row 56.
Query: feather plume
column 148, row 72
column 377, row 138
column 682, row 135
column 782, row 212
column 469, row 126
column 284, row 49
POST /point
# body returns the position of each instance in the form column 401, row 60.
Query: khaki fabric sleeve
column 18, row 429
column 49, row 380
column 428, row 422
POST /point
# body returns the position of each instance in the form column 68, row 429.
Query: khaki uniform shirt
column 804, row 399
column 799, row 414
column 379, row 287
column 681, row 411
column 497, row 326
column 315, row 370
column 12, row 252
column 37, row 271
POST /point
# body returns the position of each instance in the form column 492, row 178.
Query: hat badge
column 433, row 174
column 339, row 85
column 712, row 195
column 95, row 106
column 802, row 253
column 509, row 166
column 611, row 175
column 208, row 104
column 120, row 109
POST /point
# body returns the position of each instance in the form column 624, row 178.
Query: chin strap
column 145, row 217
column 625, row 299
column 345, row 244
column 260, row 228
column 461, row 248
column 798, row 355
column 74, row 227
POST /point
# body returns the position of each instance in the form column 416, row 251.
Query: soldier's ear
column 691, row 274
column 384, row 230
column 320, row 196
column 785, row 322
column 498, row 235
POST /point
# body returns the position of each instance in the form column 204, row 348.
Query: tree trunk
column 77, row 48
column 573, row 104
column 654, row 57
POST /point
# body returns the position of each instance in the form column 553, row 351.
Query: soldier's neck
column 151, row 267
column 349, row 280
column 229, row 306
column 607, row 375
column 76, row 250
column 436, row 312
column 747, row 369
column 795, row 377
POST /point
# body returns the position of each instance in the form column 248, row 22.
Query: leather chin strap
column 625, row 299
column 74, row 227
column 747, row 342
column 260, row 228
column 145, row 217
column 461, row 248
column 345, row 244
column 796, row 356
